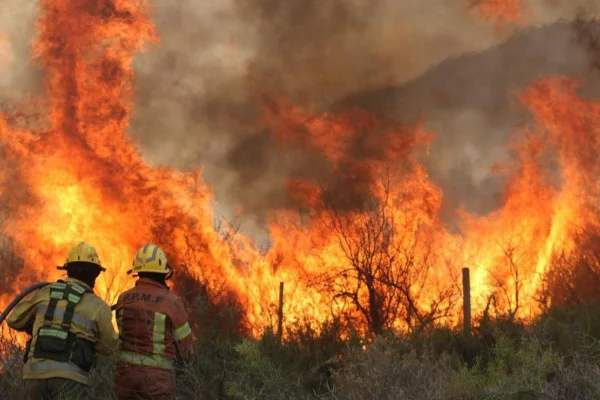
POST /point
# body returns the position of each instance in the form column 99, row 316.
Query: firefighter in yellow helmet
column 68, row 325
column 154, row 331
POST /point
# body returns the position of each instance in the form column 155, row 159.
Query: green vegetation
column 555, row 357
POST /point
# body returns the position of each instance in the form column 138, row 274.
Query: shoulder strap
column 62, row 291
column 74, row 294
column 57, row 292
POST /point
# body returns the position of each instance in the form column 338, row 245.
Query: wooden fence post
column 466, row 303
column 280, row 313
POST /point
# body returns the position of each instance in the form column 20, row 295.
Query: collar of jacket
column 146, row 281
column 78, row 282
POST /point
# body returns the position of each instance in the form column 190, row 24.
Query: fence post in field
column 466, row 303
column 280, row 313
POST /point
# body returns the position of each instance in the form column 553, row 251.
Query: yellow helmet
column 82, row 252
column 150, row 258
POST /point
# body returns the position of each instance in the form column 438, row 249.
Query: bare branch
column 389, row 255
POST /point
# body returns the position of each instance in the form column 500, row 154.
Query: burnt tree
column 509, row 286
column 389, row 253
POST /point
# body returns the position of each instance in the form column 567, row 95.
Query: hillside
column 469, row 103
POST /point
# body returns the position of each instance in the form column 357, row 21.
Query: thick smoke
column 469, row 103
column 198, row 89
column 19, row 74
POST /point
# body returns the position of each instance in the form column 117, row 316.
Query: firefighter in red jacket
column 154, row 331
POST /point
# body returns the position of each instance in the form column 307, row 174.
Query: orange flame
column 500, row 11
column 508, row 251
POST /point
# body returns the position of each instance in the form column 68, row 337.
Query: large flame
column 371, row 238
column 550, row 196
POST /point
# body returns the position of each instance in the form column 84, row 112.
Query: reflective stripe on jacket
column 152, row 324
column 92, row 320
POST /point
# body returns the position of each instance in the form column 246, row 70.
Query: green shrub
column 256, row 376
column 555, row 357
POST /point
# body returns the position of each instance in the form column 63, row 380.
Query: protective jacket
column 154, row 333
column 69, row 324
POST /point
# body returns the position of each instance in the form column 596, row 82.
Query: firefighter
column 68, row 325
column 154, row 331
